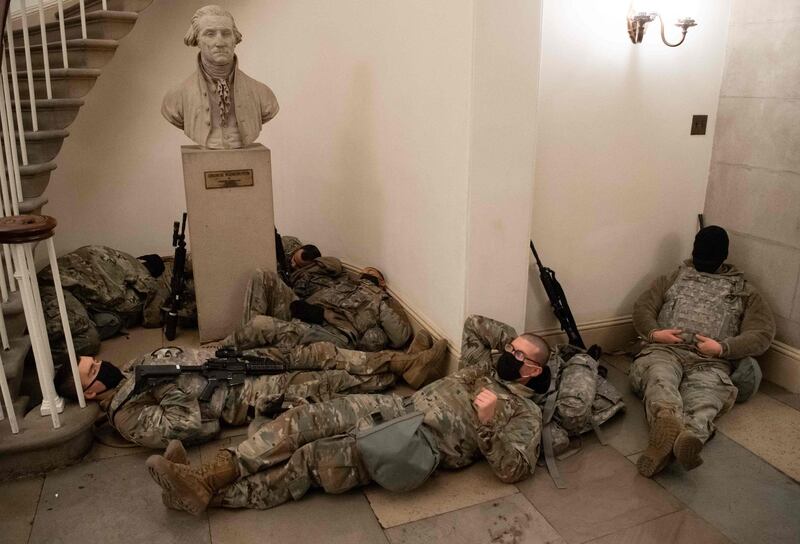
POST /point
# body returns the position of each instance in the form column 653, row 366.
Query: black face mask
column 540, row 383
column 372, row 279
column 508, row 367
column 108, row 375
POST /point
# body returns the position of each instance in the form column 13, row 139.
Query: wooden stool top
column 21, row 229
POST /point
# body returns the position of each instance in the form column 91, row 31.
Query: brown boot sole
column 180, row 496
column 659, row 447
column 687, row 450
column 433, row 369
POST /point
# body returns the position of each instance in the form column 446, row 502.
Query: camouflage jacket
column 172, row 411
column 511, row 441
column 756, row 325
column 365, row 313
column 104, row 279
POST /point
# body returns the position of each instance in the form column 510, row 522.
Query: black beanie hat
column 710, row 248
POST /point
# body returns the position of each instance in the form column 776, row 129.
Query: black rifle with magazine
column 228, row 366
column 558, row 301
column 177, row 285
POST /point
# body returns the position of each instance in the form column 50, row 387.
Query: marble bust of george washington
column 218, row 106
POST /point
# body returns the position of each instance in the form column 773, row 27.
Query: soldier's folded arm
column 176, row 416
column 648, row 305
column 394, row 322
column 480, row 336
column 755, row 333
column 510, row 441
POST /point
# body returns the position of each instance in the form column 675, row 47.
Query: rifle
column 227, row 366
column 281, row 260
column 558, row 301
column 700, row 220
column 178, row 279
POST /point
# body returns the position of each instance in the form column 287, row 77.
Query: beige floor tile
column 684, row 527
column 604, row 494
column 444, row 492
column 18, row 502
column 315, row 519
column 508, row 519
column 768, row 428
column 779, row 393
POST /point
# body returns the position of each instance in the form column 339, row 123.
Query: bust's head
column 214, row 31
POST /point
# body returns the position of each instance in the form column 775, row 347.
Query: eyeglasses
column 520, row 356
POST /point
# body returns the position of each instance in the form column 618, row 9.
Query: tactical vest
column 708, row 304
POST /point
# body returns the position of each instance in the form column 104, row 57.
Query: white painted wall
column 619, row 180
column 370, row 148
column 504, row 91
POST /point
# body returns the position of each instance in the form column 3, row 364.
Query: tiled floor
column 743, row 493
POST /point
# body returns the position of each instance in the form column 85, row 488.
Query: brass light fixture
column 637, row 23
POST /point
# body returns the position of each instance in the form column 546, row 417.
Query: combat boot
column 687, row 450
column 422, row 341
column 191, row 489
column 420, row 368
column 657, row 456
column 175, row 453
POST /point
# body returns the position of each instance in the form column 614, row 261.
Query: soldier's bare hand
column 485, row 404
column 666, row 336
column 708, row 346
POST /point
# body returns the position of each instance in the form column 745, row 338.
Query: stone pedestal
column 231, row 229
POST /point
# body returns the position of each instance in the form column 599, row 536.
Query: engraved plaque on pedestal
column 231, row 229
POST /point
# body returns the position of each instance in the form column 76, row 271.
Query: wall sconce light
column 637, row 23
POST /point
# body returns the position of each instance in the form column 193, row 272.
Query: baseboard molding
column 781, row 365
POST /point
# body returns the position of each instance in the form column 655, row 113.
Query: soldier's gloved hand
column 485, row 404
column 666, row 336
column 708, row 346
column 310, row 313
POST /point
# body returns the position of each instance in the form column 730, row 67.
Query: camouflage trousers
column 303, row 448
column 316, row 373
column 694, row 388
column 267, row 321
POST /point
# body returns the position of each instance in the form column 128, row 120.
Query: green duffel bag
column 399, row 454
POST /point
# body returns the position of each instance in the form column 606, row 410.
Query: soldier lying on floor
column 486, row 409
column 105, row 290
column 352, row 312
column 315, row 373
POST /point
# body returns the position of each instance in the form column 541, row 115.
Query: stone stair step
column 113, row 5
column 39, row 447
column 65, row 82
column 13, row 305
column 35, row 178
column 100, row 25
column 43, row 145
column 33, row 205
column 80, row 54
column 14, row 361
column 21, row 406
column 52, row 113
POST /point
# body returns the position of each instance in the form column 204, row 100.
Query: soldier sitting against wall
column 487, row 409
column 315, row 373
column 702, row 321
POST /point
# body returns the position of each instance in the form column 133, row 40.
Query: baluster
column 27, row 42
column 15, row 85
column 83, row 19
column 45, row 52
column 63, row 33
column 8, row 122
column 105, row 5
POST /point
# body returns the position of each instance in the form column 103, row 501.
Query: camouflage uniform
column 172, row 411
column 314, row 446
column 105, row 290
column 697, row 388
column 357, row 314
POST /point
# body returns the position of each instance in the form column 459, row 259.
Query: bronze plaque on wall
column 221, row 179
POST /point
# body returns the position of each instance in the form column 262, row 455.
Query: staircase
column 38, row 447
